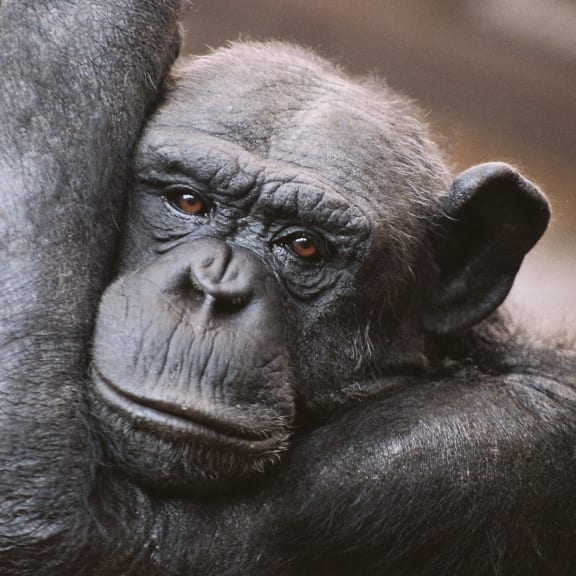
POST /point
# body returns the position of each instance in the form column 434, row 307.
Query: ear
column 491, row 218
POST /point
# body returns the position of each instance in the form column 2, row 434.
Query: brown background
column 498, row 78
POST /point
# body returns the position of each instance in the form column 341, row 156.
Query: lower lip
column 177, row 426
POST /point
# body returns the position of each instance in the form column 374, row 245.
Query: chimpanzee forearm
column 77, row 79
column 474, row 479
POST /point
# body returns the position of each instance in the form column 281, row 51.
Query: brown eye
column 187, row 201
column 304, row 247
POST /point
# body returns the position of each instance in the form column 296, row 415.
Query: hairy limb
column 470, row 477
column 77, row 81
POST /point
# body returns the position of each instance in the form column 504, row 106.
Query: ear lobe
column 491, row 218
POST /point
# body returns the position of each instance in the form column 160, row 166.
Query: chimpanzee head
column 294, row 243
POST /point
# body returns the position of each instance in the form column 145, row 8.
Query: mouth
column 184, row 423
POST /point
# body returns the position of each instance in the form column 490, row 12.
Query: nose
column 224, row 276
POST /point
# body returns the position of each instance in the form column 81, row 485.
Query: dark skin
column 296, row 370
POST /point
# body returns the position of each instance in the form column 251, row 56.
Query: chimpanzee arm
column 77, row 79
column 468, row 476
column 460, row 477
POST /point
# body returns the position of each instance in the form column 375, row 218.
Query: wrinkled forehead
column 286, row 105
column 260, row 97
column 256, row 81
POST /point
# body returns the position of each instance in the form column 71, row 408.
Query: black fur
column 426, row 437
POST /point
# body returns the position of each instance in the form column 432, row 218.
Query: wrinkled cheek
column 133, row 336
column 151, row 344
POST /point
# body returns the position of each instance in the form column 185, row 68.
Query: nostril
column 229, row 306
column 192, row 290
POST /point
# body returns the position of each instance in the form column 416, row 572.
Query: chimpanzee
column 291, row 249
column 299, row 368
column 295, row 262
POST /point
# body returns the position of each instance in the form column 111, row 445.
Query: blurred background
column 497, row 78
